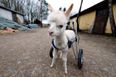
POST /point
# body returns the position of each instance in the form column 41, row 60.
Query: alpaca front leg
column 54, row 58
column 60, row 54
column 64, row 58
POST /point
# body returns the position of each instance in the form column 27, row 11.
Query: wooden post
column 111, row 16
column 77, row 20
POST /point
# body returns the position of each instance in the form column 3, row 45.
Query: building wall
column 86, row 21
column 108, row 27
column 20, row 19
column 6, row 14
column 9, row 15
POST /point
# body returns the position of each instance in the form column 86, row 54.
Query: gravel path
column 26, row 54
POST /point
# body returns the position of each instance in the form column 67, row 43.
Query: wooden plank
column 100, row 21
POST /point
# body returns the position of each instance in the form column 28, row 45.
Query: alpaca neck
column 60, row 40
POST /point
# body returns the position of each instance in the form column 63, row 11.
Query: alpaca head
column 58, row 21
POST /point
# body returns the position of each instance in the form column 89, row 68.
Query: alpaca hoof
column 60, row 56
column 66, row 72
column 51, row 66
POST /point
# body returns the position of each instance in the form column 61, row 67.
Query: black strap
column 69, row 44
column 54, row 44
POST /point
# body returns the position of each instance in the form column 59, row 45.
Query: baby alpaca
column 57, row 30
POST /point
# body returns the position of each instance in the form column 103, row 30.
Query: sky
column 56, row 4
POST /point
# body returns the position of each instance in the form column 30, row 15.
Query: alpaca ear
column 69, row 10
column 50, row 8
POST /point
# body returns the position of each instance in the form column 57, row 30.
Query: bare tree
column 27, row 7
column 43, row 9
column 5, row 3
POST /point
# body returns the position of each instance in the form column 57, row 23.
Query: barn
column 96, row 18
column 11, row 15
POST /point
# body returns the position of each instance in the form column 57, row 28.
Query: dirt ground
column 26, row 54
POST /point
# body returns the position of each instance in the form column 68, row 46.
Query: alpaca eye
column 60, row 26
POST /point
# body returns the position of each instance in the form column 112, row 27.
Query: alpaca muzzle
column 50, row 33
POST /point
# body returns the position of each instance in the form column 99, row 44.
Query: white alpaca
column 61, row 36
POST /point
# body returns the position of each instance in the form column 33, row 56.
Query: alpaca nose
column 50, row 33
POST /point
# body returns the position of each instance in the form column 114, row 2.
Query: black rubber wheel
column 80, row 58
column 51, row 51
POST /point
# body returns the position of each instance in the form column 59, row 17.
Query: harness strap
column 54, row 45
column 69, row 44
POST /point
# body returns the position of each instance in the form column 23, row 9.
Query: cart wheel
column 50, row 53
column 80, row 58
